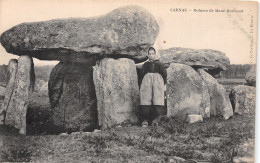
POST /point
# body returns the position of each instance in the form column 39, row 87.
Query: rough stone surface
column 23, row 88
column 175, row 159
column 56, row 82
column 219, row 101
column 124, row 32
column 2, row 91
column 193, row 118
column 243, row 99
column 186, row 92
column 117, row 91
column 205, row 58
column 251, row 76
column 72, row 96
column 11, row 71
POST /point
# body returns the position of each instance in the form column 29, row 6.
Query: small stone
column 176, row 159
column 64, row 134
column 75, row 133
column 193, row 118
column 96, row 130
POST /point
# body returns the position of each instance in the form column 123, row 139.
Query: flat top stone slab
column 202, row 58
column 124, row 32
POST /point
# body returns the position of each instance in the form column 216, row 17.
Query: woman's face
column 152, row 55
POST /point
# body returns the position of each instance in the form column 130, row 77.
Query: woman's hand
column 140, row 65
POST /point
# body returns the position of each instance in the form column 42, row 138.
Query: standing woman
column 153, row 77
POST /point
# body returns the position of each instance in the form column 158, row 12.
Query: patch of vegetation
column 16, row 155
column 39, row 122
column 194, row 141
column 8, row 130
column 214, row 140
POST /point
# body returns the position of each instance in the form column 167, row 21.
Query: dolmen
column 95, row 84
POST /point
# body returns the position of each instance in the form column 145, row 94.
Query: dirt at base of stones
column 214, row 140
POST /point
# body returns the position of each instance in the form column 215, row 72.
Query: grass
column 214, row 140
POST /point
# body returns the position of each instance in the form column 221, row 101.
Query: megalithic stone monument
column 126, row 32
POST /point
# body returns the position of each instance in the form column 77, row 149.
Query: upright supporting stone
column 117, row 91
column 243, row 98
column 187, row 93
column 72, row 96
column 23, row 87
column 219, row 101
column 11, row 71
column 251, row 76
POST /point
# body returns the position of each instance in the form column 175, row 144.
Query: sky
column 228, row 32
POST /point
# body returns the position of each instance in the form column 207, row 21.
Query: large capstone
column 11, row 75
column 243, row 99
column 23, row 88
column 219, row 100
column 251, row 76
column 187, row 93
column 211, row 60
column 117, row 92
column 72, row 96
column 124, row 32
